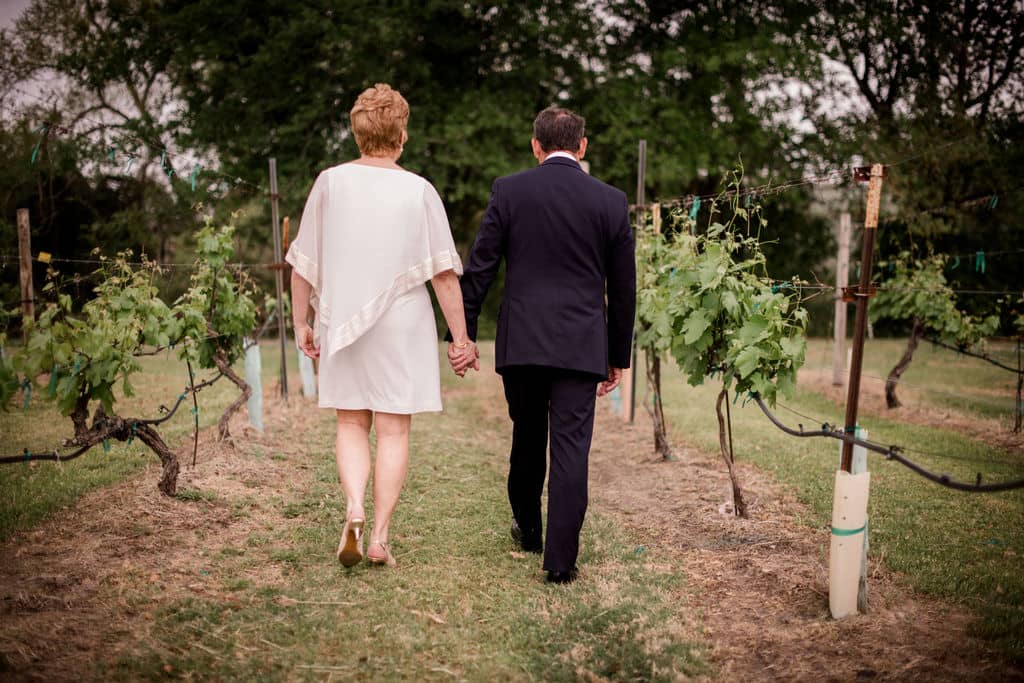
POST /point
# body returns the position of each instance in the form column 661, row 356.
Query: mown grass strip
column 961, row 546
column 461, row 604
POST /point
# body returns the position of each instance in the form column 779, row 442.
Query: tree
column 934, row 87
column 95, row 71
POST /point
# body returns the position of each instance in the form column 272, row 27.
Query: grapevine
column 217, row 313
column 85, row 356
column 918, row 292
column 706, row 298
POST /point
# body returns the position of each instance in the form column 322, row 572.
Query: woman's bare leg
column 352, row 452
column 389, row 471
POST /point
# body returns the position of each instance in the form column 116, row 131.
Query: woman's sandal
column 385, row 558
column 350, row 547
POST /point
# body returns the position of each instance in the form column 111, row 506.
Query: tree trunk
column 225, row 367
column 657, row 414
column 114, row 427
column 739, row 506
column 894, row 376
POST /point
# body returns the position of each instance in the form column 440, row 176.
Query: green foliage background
column 790, row 88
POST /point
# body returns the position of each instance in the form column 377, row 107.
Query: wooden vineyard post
column 282, row 329
column 847, row 583
column 28, row 306
column 842, row 280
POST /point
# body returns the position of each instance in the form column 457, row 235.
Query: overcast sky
column 10, row 9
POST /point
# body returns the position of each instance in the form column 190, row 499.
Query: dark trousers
column 537, row 397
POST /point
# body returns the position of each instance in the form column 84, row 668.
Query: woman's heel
column 350, row 548
column 384, row 555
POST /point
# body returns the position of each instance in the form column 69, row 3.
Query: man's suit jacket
column 564, row 236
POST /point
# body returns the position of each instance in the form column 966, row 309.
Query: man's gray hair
column 558, row 129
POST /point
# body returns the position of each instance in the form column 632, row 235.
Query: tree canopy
column 785, row 88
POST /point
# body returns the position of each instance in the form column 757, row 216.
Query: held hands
column 463, row 356
column 614, row 377
column 304, row 338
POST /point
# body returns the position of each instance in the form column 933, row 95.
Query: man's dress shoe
column 563, row 577
column 530, row 543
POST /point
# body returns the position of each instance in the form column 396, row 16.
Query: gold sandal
column 387, row 559
column 350, row 547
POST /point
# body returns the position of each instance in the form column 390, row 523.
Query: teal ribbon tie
column 192, row 179
column 27, row 386
column 956, row 263
column 42, row 130
column 848, row 532
column 52, row 389
column 695, row 208
column 979, row 261
column 995, row 202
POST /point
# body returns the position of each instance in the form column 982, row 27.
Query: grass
column 461, row 603
column 961, row 546
column 980, row 388
column 33, row 491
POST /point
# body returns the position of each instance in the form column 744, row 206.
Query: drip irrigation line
column 892, row 452
column 931, row 454
column 54, row 456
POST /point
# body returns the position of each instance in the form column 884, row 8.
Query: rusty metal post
column 862, row 296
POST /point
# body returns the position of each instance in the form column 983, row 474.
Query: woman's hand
column 462, row 356
column 304, row 338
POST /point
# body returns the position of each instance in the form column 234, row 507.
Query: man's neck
column 563, row 154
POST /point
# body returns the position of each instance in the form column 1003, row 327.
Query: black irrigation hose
column 57, row 457
column 892, row 453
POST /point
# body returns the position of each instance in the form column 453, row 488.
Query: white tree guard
column 253, row 368
column 849, row 526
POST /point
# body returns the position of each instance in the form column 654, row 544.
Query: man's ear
column 538, row 151
column 583, row 148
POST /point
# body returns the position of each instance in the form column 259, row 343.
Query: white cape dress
column 368, row 241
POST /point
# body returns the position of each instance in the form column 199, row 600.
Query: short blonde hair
column 379, row 119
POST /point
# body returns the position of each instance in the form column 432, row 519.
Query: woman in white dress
column 371, row 235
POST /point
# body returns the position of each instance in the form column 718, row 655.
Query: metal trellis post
column 861, row 295
column 282, row 328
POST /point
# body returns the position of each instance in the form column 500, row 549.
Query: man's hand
column 462, row 359
column 304, row 338
column 614, row 377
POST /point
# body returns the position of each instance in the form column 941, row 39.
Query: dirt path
column 761, row 584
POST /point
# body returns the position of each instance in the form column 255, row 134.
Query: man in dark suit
column 567, row 243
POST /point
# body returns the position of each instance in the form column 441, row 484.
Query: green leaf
column 747, row 361
column 753, row 330
column 695, row 326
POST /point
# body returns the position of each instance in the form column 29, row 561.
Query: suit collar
column 561, row 161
